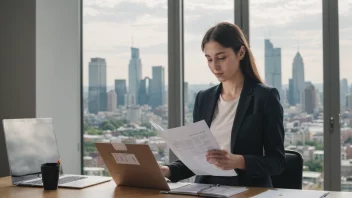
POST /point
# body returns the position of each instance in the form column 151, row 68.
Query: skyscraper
column 112, row 98
column 121, row 90
column 349, row 102
column 134, row 73
column 309, row 99
column 291, row 95
column 144, row 91
column 273, row 65
column 157, row 87
column 185, row 96
column 343, row 92
column 97, row 96
column 298, row 77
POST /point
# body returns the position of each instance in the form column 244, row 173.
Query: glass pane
column 199, row 16
column 124, row 76
column 345, row 29
column 286, row 40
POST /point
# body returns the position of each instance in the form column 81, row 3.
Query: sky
column 111, row 27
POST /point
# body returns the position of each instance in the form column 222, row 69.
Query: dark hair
column 231, row 36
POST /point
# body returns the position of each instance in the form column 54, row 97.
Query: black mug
column 50, row 175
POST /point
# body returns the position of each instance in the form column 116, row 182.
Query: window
column 286, row 40
column 199, row 16
column 345, row 37
column 124, row 76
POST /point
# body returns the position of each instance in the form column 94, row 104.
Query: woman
column 244, row 115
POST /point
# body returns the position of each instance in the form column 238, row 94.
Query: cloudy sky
column 110, row 27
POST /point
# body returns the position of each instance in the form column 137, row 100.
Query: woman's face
column 223, row 62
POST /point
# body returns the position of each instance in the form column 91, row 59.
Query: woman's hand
column 225, row 160
column 165, row 170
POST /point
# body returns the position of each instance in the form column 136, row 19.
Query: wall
column 58, row 75
column 17, row 66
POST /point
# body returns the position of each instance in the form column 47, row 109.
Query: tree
column 107, row 125
column 315, row 165
column 317, row 145
column 117, row 123
column 93, row 131
column 348, row 140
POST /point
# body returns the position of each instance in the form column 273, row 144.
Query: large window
column 199, row 16
column 345, row 29
column 124, row 76
column 286, row 39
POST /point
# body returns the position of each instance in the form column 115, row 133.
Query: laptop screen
column 29, row 143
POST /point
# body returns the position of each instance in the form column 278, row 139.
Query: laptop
column 31, row 142
column 129, row 163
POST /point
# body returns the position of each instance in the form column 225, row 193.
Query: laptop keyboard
column 63, row 180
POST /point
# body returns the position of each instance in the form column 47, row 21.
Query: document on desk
column 288, row 193
column 190, row 144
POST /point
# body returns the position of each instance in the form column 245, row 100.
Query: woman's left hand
column 223, row 159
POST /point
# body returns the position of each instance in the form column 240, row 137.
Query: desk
column 110, row 189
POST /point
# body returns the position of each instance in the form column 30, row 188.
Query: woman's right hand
column 166, row 171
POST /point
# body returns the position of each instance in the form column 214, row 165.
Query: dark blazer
column 257, row 134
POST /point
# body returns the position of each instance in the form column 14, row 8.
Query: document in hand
column 190, row 144
column 206, row 190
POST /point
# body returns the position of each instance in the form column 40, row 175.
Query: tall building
column 130, row 100
column 291, row 95
column 144, row 91
column 343, row 92
column 134, row 114
column 273, row 65
column 186, row 94
column 134, row 73
column 309, row 99
column 157, row 87
column 298, row 77
column 97, row 96
column 349, row 102
column 112, row 98
column 121, row 90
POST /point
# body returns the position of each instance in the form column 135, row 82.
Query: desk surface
column 110, row 189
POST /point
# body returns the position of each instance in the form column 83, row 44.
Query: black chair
column 291, row 177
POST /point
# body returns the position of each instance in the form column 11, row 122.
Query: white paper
column 190, row 144
column 176, row 185
column 119, row 146
column 125, row 158
column 288, row 193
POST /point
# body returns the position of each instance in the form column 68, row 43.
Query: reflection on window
column 125, row 67
column 287, row 47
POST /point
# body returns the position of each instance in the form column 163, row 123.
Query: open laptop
column 129, row 163
column 31, row 142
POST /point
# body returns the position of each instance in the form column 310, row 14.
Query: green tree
column 85, row 126
column 317, row 145
column 315, row 165
column 107, row 125
column 117, row 123
column 348, row 140
column 93, row 131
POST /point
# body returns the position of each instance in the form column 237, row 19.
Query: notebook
column 206, row 190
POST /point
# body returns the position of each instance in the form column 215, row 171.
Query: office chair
column 291, row 177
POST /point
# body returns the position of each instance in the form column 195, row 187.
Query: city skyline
column 147, row 23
